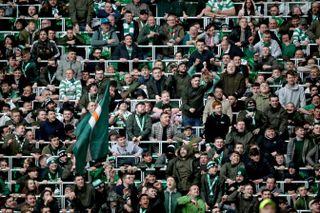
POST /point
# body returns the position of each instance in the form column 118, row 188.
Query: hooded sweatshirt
column 294, row 94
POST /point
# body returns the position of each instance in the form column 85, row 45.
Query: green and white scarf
column 128, row 28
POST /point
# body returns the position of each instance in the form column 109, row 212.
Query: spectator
column 192, row 202
column 217, row 96
column 43, row 48
column 128, row 26
column 299, row 37
column 83, row 194
column 183, row 162
column 171, row 33
column 219, row 9
column 249, row 9
column 126, row 51
column 266, row 62
column 271, row 144
column 107, row 11
column 67, row 62
column 192, row 104
column 125, row 148
column 229, row 170
column 81, row 14
column 71, row 39
column 136, row 7
column 210, row 37
column 277, row 116
column 216, row 121
column 258, row 168
column 230, row 49
column 268, row 42
column 48, row 75
column 171, row 196
column 163, row 130
column 29, row 68
column 52, row 126
column 292, row 92
column 314, row 205
column 156, row 84
column 303, row 200
column 241, row 34
column 70, row 89
column 244, row 200
column 105, row 37
column 212, row 186
column 232, row 82
column 262, row 98
column 26, row 37
column 186, row 136
column 139, row 124
column 149, row 33
column 29, row 204
column 272, row 187
column 239, row 134
column 198, row 59
column 299, row 147
column 16, row 144
column 54, row 147
column 127, row 190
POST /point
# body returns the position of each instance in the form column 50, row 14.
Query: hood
column 294, row 88
column 189, row 151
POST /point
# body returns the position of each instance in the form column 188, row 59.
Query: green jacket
column 171, row 201
column 176, row 84
column 4, row 190
column 189, row 207
column 81, row 11
column 302, row 203
column 133, row 129
column 262, row 101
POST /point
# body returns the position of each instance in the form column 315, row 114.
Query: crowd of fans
column 220, row 117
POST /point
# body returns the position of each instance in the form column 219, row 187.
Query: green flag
column 92, row 134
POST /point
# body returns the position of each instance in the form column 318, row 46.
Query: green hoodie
column 189, row 207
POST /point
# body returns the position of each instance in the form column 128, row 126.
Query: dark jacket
column 122, row 52
column 259, row 170
column 217, row 189
column 135, row 32
column 232, row 84
column 144, row 40
column 51, row 128
column 19, row 145
column 85, row 198
column 170, row 201
column 269, row 145
column 184, row 171
column 277, row 118
column 176, row 84
column 259, row 117
column 205, row 56
column 81, row 11
column 233, row 137
column 270, row 60
column 244, row 205
column 133, row 129
column 156, row 87
column 44, row 50
column 193, row 98
column 234, row 51
column 30, row 71
column 234, row 36
column 216, row 126
column 48, row 76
